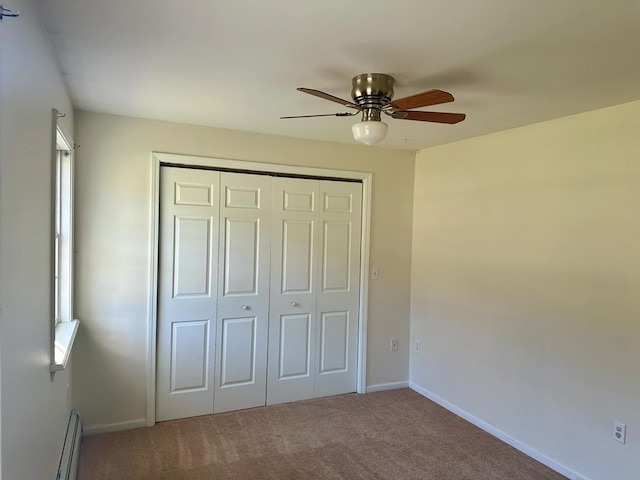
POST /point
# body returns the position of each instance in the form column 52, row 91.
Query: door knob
column 245, row 307
column 294, row 304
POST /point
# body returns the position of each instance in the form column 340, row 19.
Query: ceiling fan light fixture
column 372, row 95
column 369, row 131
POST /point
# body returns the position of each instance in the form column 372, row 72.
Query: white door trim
column 157, row 159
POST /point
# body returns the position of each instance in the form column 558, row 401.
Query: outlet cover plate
column 619, row 432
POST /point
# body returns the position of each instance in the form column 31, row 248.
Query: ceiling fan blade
column 331, row 98
column 340, row 114
column 437, row 117
column 424, row 99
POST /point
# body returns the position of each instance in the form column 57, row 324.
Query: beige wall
column 526, row 285
column 35, row 408
column 113, row 175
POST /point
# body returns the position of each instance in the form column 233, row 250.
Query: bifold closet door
column 243, row 301
column 315, row 290
column 187, row 292
column 258, row 290
column 292, row 331
column 338, row 291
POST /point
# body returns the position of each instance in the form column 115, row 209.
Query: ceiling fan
column 372, row 95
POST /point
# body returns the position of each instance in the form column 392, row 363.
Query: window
column 64, row 327
column 62, row 236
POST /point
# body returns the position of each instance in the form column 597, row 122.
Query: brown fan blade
column 340, row 114
column 331, row 98
column 424, row 99
column 437, row 117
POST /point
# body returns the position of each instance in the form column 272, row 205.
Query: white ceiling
column 236, row 64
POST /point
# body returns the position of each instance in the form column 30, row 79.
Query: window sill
column 65, row 334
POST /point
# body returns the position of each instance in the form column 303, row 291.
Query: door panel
column 238, row 352
column 338, row 299
column 292, row 317
column 294, row 346
column 195, row 194
column 186, row 292
column 297, row 256
column 334, row 342
column 237, row 196
column 189, row 355
column 336, row 265
column 243, row 303
column 191, row 256
column 338, row 202
column 298, row 201
column 241, row 255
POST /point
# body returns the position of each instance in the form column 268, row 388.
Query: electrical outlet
column 619, row 432
column 417, row 346
column 394, row 344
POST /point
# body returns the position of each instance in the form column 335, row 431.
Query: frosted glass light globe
column 369, row 132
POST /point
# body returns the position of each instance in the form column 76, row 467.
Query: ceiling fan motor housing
column 371, row 91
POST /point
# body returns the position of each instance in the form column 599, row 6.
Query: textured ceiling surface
column 236, row 64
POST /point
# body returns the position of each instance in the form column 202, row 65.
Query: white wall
column 113, row 177
column 34, row 409
column 526, row 285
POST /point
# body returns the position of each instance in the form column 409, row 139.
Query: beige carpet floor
column 388, row 435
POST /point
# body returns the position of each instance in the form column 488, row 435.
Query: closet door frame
column 159, row 159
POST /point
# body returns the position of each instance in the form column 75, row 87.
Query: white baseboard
column 114, row 427
column 381, row 387
column 552, row 464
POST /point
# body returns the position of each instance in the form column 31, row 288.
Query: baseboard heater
column 68, row 465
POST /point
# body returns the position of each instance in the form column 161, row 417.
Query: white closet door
column 243, row 302
column 338, row 287
column 187, row 292
column 293, row 290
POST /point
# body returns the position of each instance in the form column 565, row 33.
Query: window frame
column 63, row 325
